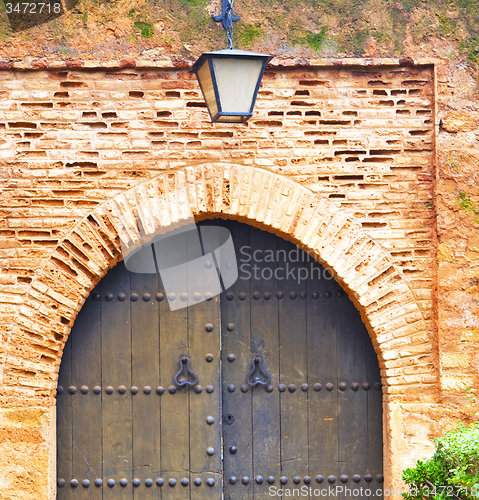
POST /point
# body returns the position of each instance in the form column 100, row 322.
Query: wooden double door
column 277, row 387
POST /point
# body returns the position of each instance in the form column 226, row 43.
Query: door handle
column 183, row 380
column 254, row 381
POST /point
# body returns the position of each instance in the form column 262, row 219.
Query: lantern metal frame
column 227, row 18
column 207, row 58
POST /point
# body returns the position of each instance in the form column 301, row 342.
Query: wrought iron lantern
column 230, row 79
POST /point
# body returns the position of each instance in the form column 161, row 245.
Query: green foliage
column 468, row 206
column 471, row 7
column 146, row 29
column 332, row 28
column 247, row 34
column 195, row 3
column 353, row 40
column 447, row 25
column 473, row 401
column 409, row 5
column 453, row 470
column 312, row 40
column 399, row 20
column 315, row 40
column 470, row 48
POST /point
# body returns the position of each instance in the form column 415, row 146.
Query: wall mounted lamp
column 230, row 79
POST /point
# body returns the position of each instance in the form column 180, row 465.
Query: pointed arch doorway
column 308, row 420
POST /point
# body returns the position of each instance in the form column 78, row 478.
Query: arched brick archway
column 360, row 265
column 366, row 271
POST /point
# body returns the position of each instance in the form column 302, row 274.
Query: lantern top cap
column 229, row 53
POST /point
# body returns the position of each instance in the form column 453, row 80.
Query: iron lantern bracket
column 227, row 18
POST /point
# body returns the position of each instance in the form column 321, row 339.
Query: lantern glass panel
column 236, row 80
column 204, row 76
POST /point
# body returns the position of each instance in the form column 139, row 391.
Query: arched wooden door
column 287, row 401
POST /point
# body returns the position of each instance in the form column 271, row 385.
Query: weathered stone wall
column 458, row 230
column 344, row 147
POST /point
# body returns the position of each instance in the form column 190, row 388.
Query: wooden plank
column 87, row 421
column 265, row 342
column 293, row 369
column 116, row 373
column 64, row 424
column 175, row 436
column 145, row 369
column 375, row 428
column 322, row 370
column 203, row 345
column 353, row 417
column 236, row 338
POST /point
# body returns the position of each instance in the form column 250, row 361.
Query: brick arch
column 364, row 269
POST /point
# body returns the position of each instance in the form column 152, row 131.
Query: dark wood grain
column 201, row 344
column 116, row 372
column 293, row 371
column 145, row 367
column 236, row 341
column 353, row 419
column 175, row 411
column 87, row 421
column 65, row 424
column 375, row 437
column 265, row 342
column 322, row 369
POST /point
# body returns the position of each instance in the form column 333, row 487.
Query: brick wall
column 74, row 140
column 363, row 137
